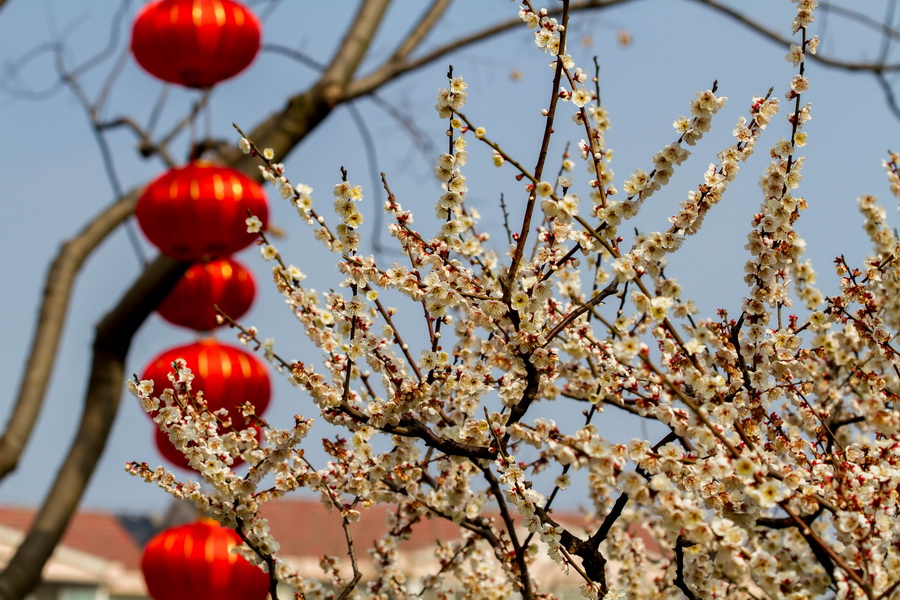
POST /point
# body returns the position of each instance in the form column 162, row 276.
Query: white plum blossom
column 476, row 375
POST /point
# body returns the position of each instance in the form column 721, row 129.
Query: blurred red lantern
column 228, row 376
column 177, row 459
column 225, row 283
column 195, row 43
column 195, row 562
column 199, row 211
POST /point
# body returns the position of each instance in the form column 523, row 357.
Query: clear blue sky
column 53, row 180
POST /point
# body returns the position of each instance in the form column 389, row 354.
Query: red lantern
column 225, row 283
column 199, row 211
column 195, row 43
column 177, row 459
column 195, row 562
column 228, row 376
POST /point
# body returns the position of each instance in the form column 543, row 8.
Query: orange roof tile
column 93, row 532
column 302, row 525
column 307, row 528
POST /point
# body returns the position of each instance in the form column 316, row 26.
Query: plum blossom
column 769, row 467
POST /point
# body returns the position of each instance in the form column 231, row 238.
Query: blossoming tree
column 777, row 477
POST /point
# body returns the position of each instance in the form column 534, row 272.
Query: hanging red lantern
column 174, row 456
column 225, row 283
column 199, row 211
column 195, row 43
column 195, row 562
column 227, row 375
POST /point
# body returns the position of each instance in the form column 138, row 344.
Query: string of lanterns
column 196, row 213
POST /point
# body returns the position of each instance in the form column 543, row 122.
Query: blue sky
column 53, row 178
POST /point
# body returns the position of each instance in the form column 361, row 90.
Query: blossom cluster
column 210, row 442
column 777, row 472
column 548, row 29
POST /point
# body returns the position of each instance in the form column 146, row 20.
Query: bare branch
column 889, row 97
column 13, row 70
column 111, row 343
column 296, row 55
column 771, row 35
column 420, row 31
column 303, row 112
column 354, row 46
column 884, row 28
column 390, row 69
column 111, row 44
column 680, row 583
column 161, row 146
column 50, row 322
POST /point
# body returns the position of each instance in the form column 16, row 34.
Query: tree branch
column 885, row 28
column 420, row 30
column 283, row 130
column 395, row 67
column 354, row 46
column 50, row 322
column 680, row 583
column 846, row 65
column 303, row 112
column 111, row 342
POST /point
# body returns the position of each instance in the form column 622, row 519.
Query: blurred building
column 97, row 559
column 99, row 556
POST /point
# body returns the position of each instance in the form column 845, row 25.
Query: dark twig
column 267, row 558
column 680, row 583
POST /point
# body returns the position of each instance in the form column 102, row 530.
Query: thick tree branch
column 680, row 583
column 353, row 48
column 420, row 30
column 112, row 339
column 50, row 323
